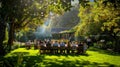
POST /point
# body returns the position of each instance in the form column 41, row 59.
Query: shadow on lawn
column 77, row 63
column 104, row 51
column 27, row 61
column 40, row 61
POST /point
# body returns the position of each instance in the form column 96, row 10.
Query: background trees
column 100, row 17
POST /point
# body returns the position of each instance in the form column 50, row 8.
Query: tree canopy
column 100, row 17
column 19, row 13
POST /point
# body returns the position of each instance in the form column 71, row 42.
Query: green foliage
column 25, row 35
column 97, row 18
column 19, row 13
column 22, row 12
column 100, row 17
column 87, row 25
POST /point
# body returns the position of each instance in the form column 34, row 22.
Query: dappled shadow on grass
column 31, row 61
column 51, row 61
column 24, row 59
column 104, row 51
column 40, row 62
column 70, row 63
column 27, row 61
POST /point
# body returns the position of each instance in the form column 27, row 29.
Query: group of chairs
column 61, row 50
column 49, row 48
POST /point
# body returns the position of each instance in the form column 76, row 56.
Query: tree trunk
column 2, row 36
column 11, row 36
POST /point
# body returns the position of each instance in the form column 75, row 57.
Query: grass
column 31, row 58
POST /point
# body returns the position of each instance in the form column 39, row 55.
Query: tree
column 18, row 13
column 112, row 23
column 101, row 17
column 2, row 28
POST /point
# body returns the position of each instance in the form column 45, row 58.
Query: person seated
column 48, row 46
column 62, row 47
column 42, row 43
column 55, row 43
column 89, row 42
column 42, row 47
column 85, row 46
column 55, row 47
column 74, row 46
column 28, row 44
column 36, row 44
column 62, row 44
column 45, row 40
column 68, row 47
column 80, row 48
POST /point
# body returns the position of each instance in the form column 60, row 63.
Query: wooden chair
column 42, row 49
column 62, row 49
column 55, row 49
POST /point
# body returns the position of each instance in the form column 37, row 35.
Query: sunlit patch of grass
column 92, row 58
column 24, row 51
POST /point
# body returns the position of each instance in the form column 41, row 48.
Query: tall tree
column 3, row 17
column 18, row 13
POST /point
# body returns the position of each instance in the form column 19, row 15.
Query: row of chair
column 61, row 50
column 56, row 50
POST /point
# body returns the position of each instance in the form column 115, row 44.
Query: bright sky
column 77, row 1
column 74, row 2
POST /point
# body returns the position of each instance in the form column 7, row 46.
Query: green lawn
column 31, row 58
